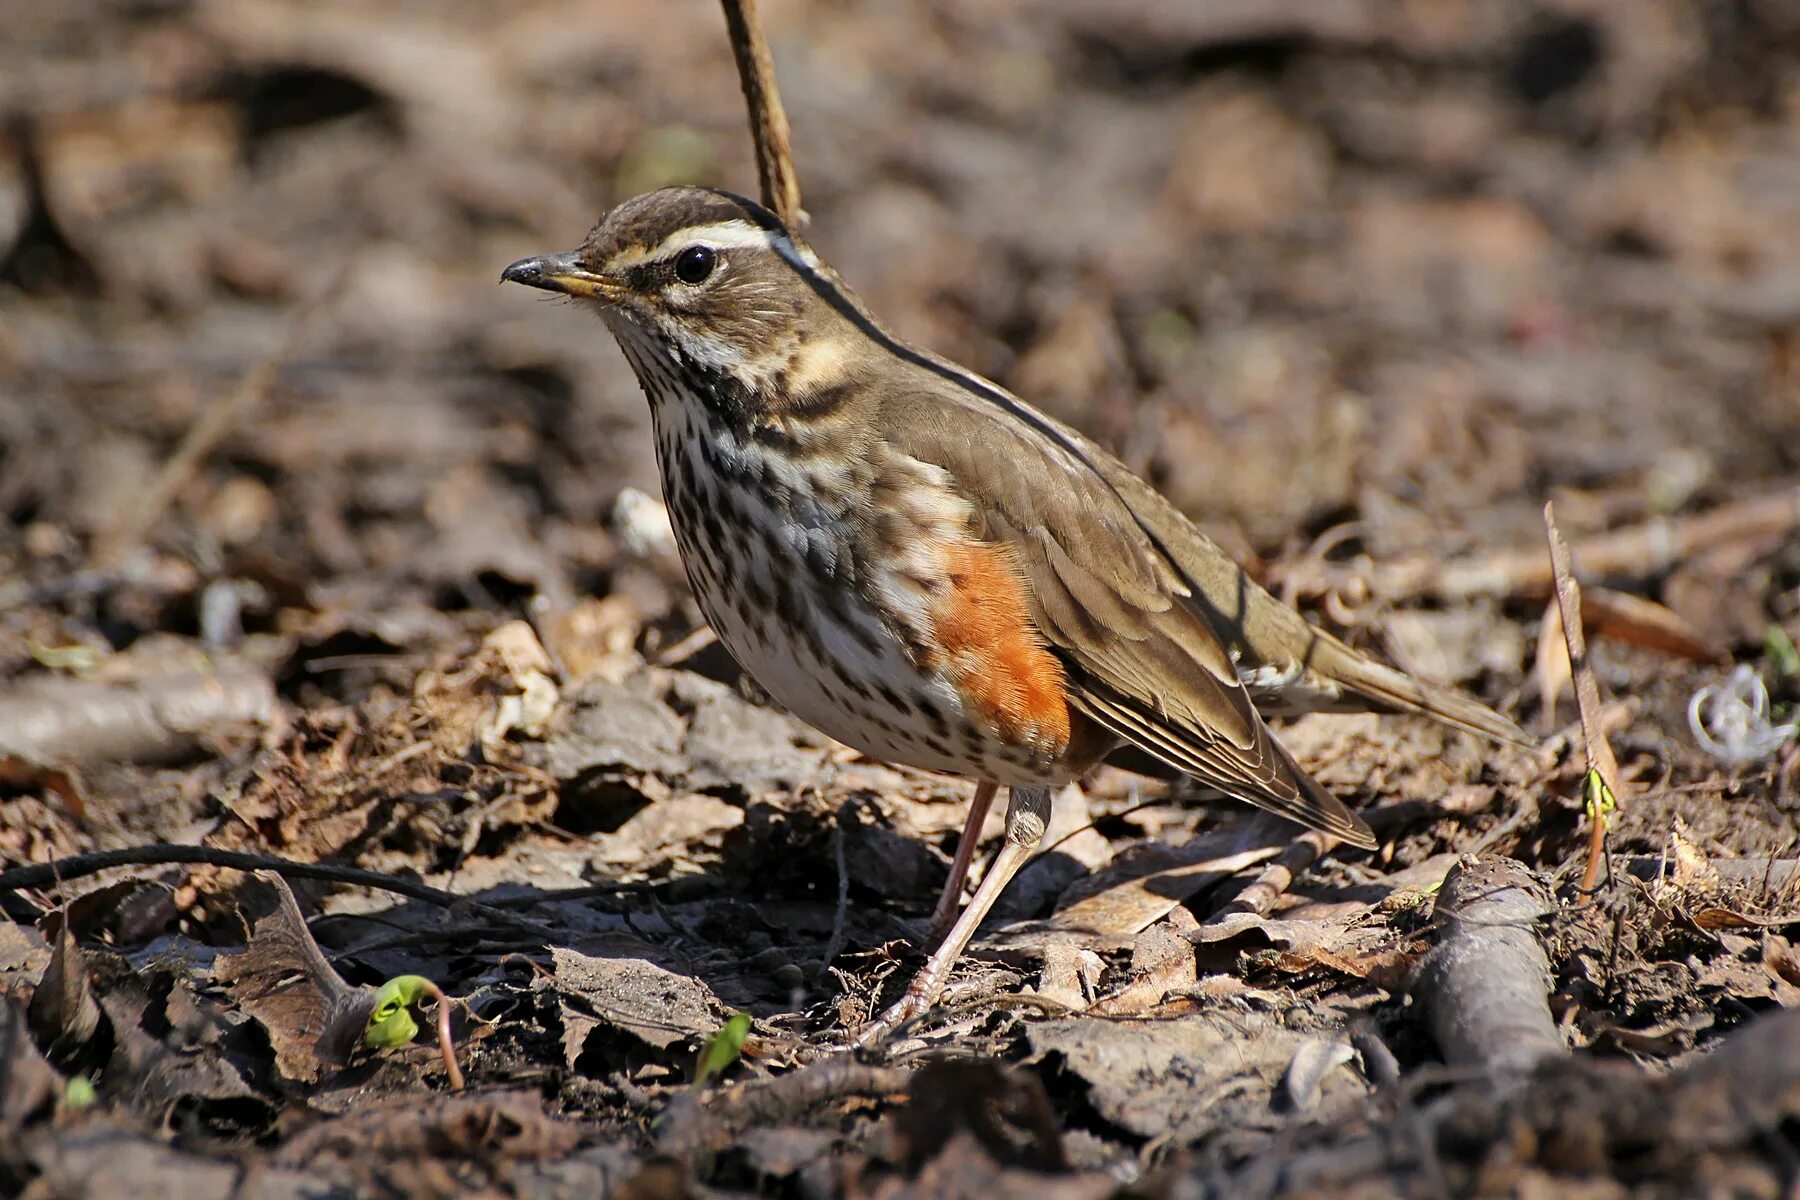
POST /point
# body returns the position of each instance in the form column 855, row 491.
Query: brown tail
column 1393, row 689
column 1262, row 629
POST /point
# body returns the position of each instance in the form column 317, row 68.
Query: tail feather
column 1385, row 686
column 1262, row 631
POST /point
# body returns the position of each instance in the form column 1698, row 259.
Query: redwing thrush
column 928, row 569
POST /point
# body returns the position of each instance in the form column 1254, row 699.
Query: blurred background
column 1381, row 273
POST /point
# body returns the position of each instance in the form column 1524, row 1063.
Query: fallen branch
column 710, row 1122
column 768, row 120
column 1771, row 873
column 1485, row 985
column 1646, row 549
column 67, row 721
column 1589, row 1126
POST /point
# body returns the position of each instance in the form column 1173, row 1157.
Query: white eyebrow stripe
column 724, row 235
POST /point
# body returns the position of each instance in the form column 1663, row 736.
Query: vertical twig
column 839, row 919
column 768, row 120
column 1600, row 760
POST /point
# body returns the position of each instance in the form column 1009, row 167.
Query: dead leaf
column 1553, row 673
column 64, row 1013
column 780, row 1151
column 493, row 1127
column 628, row 992
column 1158, row 1078
column 529, row 708
column 1162, row 961
column 284, row 981
column 1720, row 917
column 28, row 1084
column 1783, row 966
column 1313, row 1060
column 1620, row 617
column 595, row 638
column 16, row 772
column 1142, row 886
column 1693, row 870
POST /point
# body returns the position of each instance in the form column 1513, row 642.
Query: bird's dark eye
column 694, row 264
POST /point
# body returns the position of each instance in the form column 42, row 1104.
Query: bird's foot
column 915, row 1003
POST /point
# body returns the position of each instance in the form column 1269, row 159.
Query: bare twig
column 1277, row 877
column 1645, row 549
column 38, row 875
column 1600, row 758
column 839, row 919
column 215, row 421
column 768, row 120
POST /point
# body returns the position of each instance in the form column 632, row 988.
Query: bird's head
column 708, row 283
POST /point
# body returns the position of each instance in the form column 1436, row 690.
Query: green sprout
column 78, row 1093
column 1597, row 797
column 393, row 1023
column 722, row 1048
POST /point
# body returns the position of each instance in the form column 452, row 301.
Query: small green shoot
column 393, row 1023
column 722, row 1048
column 78, row 1093
column 1597, row 797
column 1783, row 657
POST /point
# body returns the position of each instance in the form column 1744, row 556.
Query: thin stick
column 768, row 120
column 1647, row 548
column 446, row 1044
column 1587, row 695
column 210, row 428
column 1278, row 876
column 839, row 919
column 61, row 870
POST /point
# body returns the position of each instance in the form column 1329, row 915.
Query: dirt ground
column 316, row 543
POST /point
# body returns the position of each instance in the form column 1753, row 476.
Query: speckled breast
column 790, row 578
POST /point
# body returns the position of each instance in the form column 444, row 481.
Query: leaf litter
column 419, row 614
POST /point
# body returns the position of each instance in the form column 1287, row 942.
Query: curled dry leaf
column 64, row 1013
column 506, row 686
column 283, row 980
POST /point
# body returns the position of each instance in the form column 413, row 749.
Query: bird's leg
column 1027, row 816
column 944, row 915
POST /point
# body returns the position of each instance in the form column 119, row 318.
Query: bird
column 926, row 568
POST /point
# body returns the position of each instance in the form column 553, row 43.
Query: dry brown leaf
column 1693, row 870
column 1619, row 617
column 284, row 981
column 1719, row 917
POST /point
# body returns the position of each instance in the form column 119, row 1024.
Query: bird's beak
column 560, row 273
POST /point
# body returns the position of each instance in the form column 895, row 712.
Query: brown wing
column 1142, row 658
